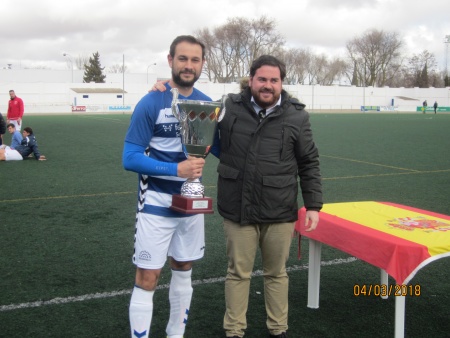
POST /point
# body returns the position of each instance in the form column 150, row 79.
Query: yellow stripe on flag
column 432, row 232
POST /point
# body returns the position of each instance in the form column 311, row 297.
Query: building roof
column 99, row 90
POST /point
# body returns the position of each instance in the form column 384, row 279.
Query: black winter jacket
column 259, row 162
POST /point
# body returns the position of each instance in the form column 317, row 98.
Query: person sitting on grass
column 16, row 137
column 27, row 146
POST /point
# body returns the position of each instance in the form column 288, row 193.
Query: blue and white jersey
column 153, row 149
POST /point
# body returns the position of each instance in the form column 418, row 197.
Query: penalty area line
column 103, row 295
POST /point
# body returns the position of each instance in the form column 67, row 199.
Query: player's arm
column 21, row 109
column 134, row 159
column 215, row 149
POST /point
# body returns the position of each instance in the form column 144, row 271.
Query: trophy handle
column 222, row 110
column 175, row 110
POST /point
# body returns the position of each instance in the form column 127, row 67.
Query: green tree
column 93, row 72
column 355, row 81
column 423, row 79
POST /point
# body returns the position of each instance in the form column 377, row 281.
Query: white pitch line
column 58, row 301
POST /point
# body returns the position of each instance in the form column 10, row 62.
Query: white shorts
column 12, row 154
column 16, row 124
column 157, row 237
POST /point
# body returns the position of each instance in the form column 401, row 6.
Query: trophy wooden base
column 192, row 205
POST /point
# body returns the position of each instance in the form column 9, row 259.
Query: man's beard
column 264, row 104
column 176, row 77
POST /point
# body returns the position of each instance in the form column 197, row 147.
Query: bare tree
column 231, row 48
column 420, row 70
column 298, row 63
column 81, row 61
column 375, row 55
column 117, row 68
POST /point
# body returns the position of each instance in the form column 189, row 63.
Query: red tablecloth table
column 406, row 239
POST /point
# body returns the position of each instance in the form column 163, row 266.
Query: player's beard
column 176, row 77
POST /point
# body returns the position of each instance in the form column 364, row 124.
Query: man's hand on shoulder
column 159, row 86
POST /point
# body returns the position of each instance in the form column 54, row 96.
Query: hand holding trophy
column 198, row 124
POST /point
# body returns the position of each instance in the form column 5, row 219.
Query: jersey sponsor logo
column 167, row 127
column 169, row 116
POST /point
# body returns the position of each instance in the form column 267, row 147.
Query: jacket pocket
column 229, row 192
column 227, row 172
column 278, row 196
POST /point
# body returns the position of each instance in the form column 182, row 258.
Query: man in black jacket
column 265, row 142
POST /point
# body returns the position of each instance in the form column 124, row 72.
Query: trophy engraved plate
column 198, row 124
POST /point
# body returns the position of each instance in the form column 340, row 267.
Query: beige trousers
column 242, row 242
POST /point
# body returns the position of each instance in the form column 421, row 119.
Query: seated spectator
column 16, row 137
column 27, row 146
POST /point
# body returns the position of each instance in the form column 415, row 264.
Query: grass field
column 67, row 224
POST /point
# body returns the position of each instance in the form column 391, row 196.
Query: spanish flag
column 393, row 237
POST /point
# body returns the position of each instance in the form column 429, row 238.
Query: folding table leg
column 400, row 316
column 385, row 281
column 315, row 253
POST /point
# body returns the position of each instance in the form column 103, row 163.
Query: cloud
column 38, row 32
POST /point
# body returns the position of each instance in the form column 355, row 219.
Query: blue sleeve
column 134, row 159
column 16, row 140
column 215, row 149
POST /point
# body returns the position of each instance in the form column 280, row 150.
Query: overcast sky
column 37, row 33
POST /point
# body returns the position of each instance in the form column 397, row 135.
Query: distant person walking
column 424, row 106
column 15, row 110
column 435, row 106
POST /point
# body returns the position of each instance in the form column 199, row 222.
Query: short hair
column 11, row 90
column 11, row 125
column 186, row 38
column 268, row 60
column 28, row 130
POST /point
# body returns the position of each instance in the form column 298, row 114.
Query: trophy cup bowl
column 198, row 123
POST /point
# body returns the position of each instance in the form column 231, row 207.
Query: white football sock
column 141, row 311
column 180, row 295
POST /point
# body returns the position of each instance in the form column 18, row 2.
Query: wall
column 51, row 96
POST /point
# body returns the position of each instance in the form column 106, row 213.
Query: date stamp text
column 383, row 290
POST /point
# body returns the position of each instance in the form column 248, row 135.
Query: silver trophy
column 198, row 124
